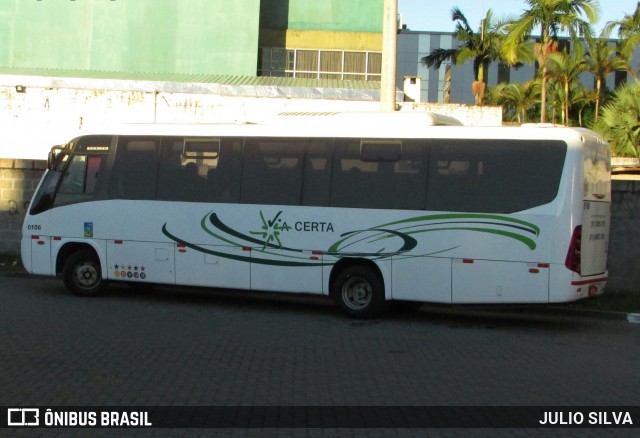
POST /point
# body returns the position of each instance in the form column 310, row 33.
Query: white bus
column 365, row 208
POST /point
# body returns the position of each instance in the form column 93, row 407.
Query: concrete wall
column 18, row 180
column 42, row 116
column 624, row 241
column 469, row 115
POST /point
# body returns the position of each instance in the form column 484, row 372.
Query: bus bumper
column 579, row 287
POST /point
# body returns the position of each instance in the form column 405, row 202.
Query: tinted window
column 380, row 150
column 317, row 173
column 272, row 171
column 370, row 174
column 223, row 175
column 135, row 169
column 43, row 200
column 200, row 169
column 498, row 176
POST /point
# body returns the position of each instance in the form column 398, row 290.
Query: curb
column 535, row 309
column 630, row 317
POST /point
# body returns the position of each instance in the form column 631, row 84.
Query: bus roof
column 343, row 124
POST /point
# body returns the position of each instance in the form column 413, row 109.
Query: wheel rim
column 86, row 275
column 357, row 293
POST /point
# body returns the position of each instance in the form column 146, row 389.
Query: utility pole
column 389, row 49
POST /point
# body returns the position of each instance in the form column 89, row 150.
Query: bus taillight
column 573, row 255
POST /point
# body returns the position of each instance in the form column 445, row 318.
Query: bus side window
column 135, row 169
column 199, row 169
column 493, row 176
column 272, row 171
column 223, row 180
column 379, row 174
column 353, row 179
column 173, row 184
column 409, row 187
column 316, row 183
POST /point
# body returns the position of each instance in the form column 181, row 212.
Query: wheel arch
column 348, row 262
column 69, row 248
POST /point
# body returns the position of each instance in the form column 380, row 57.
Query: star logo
column 271, row 230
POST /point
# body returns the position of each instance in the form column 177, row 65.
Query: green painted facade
column 327, row 15
column 176, row 37
column 160, row 36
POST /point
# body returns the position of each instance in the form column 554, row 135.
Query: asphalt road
column 186, row 347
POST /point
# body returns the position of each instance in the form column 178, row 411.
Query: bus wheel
column 358, row 292
column 82, row 274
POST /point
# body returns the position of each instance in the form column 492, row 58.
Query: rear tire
column 358, row 292
column 82, row 274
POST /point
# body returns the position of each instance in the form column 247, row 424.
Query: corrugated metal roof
column 200, row 83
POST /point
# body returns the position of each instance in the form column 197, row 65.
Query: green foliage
column 518, row 100
column 620, row 121
column 628, row 32
column 564, row 68
column 550, row 17
column 481, row 47
column 603, row 59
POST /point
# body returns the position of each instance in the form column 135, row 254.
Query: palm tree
column 628, row 33
column 620, row 121
column 602, row 59
column 482, row 47
column 517, row 98
column 628, row 27
column 552, row 17
column 565, row 67
column 583, row 99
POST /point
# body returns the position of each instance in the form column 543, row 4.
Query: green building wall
column 322, row 24
column 160, row 36
column 324, row 15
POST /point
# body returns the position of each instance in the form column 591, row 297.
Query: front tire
column 358, row 292
column 82, row 274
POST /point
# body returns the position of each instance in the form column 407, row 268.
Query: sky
column 435, row 15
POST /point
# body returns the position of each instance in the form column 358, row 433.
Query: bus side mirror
column 54, row 157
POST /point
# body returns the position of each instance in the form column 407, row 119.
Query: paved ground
column 176, row 347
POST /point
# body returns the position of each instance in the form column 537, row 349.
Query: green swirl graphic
column 392, row 239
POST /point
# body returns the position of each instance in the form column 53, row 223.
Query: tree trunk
column 478, row 88
column 598, row 88
column 446, row 92
column 543, row 49
column 566, row 103
column 543, row 96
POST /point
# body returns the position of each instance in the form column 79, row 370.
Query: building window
column 374, row 65
column 320, row 64
column 504, row 73
column 620, row 78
